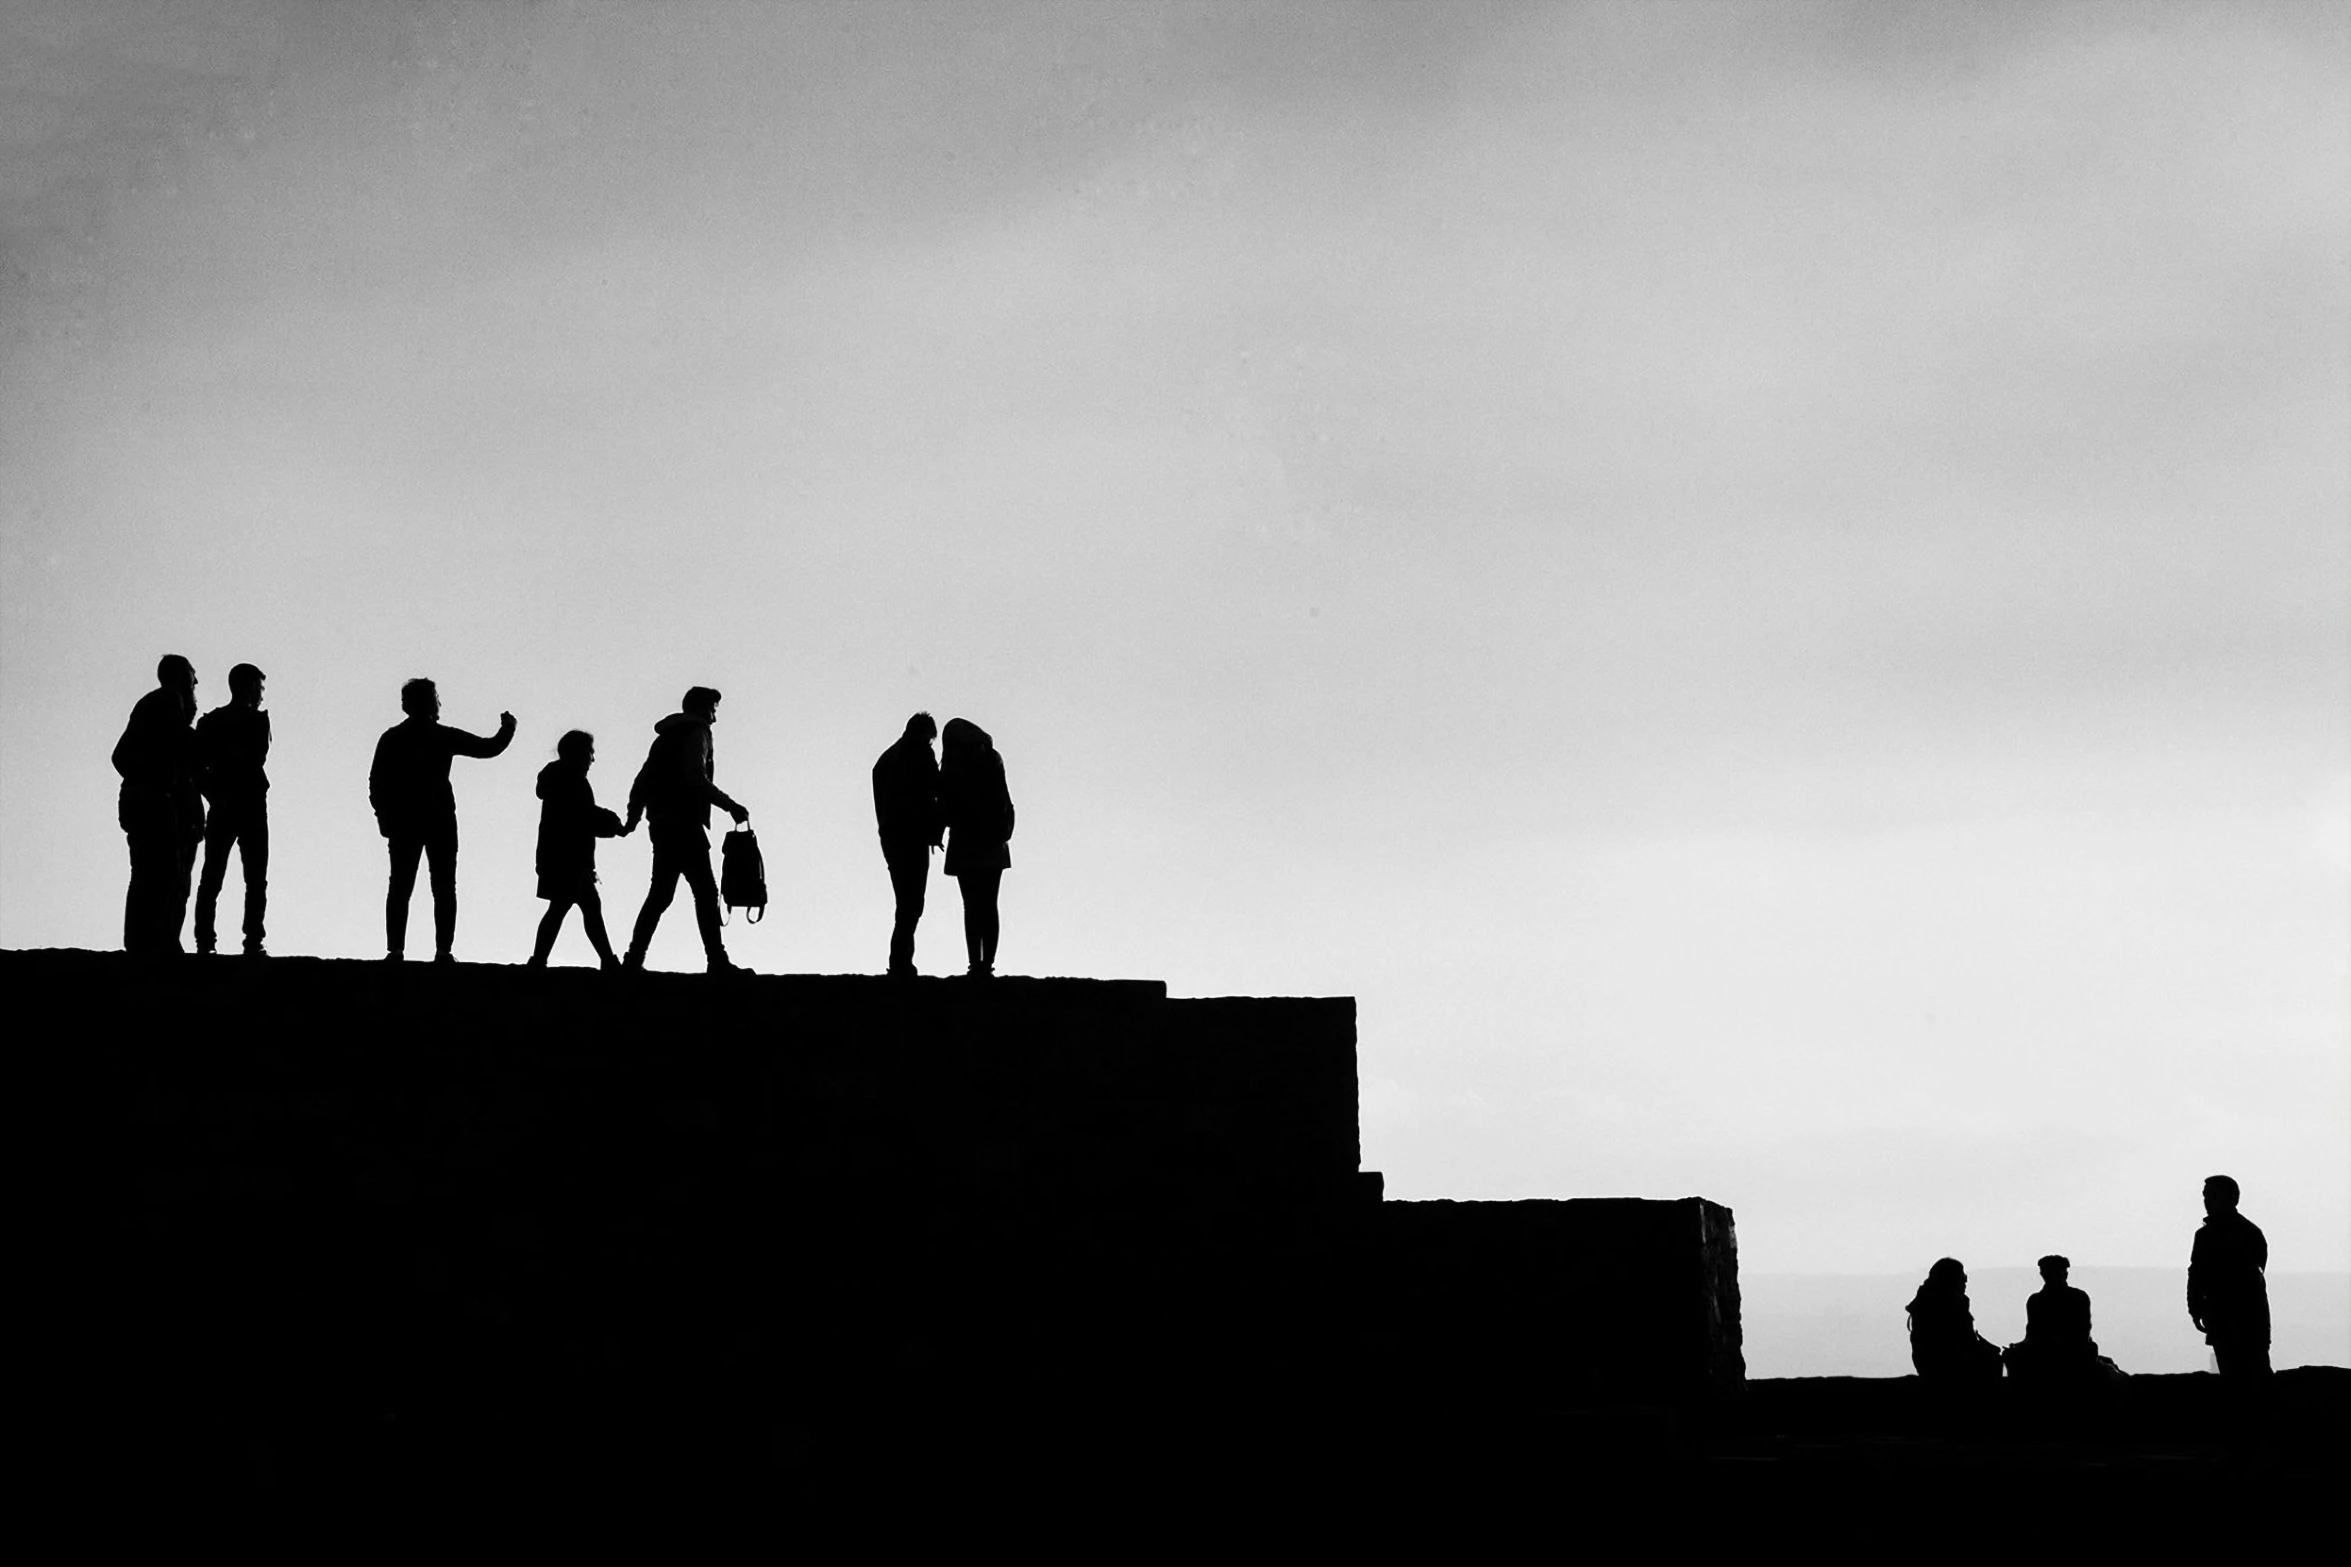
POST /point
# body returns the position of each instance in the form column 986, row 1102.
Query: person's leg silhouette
column 441, row 855
column 253, row 856
column 220, row 832
column 405, row 848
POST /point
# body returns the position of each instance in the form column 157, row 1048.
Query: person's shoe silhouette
column 254, row 949
column 444, row 957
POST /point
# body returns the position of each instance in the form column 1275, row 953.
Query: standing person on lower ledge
column 2228, row 1292
column 416, row 810
column 675, row 790
column 232, row 746
column 159, row 808
column 976, row 805
column 906, row 812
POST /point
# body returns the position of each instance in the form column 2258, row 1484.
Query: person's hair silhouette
column 1944, row 1343
column 2228, row 1290
column 570, row 822
column 416, row 811
column 906, row 813
column 675, row 790
column 159, row 807
column 232, row 748
column 976, row 804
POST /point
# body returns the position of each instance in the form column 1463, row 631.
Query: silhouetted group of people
column 173, row 766
column 2228, row 1300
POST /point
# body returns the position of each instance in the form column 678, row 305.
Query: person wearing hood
column 159, row 807
column 570, row 822
column 416, row 810
column 1944, row 1343
column 976, row 805
column 674, row 791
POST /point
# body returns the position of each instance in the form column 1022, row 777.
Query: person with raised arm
column 416, row 810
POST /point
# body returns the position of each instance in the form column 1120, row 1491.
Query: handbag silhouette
column 742, row 875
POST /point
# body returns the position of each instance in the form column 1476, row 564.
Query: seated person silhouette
column 2057, row 1349
column 570, row 822
column 1944, row 1345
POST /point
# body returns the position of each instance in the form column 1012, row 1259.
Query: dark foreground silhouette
column 400, row 1241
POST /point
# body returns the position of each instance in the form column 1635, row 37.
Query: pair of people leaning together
column 961, row 800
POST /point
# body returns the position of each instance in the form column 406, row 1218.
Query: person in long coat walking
column 977, row 807
column 570, row 822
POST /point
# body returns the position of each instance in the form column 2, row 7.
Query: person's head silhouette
column 245, row 685
column 175, row 674
column 2220, row 1195
column 578, row 747
column 2053, row 1269
column 702, row 702
column 1947, row 1274
column 923, row 727
column 420, row 698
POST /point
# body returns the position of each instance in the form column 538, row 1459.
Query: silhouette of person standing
column 159, row 807
column 674, row 789
column 906, row 810
column 232, row 746
column 1944, row 1343
column 417, row 812
column 977, row 808
column 2228, row 1295
column 2057, row 1346
column 570, row 822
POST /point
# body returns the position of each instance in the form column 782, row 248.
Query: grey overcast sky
column 1764, row 584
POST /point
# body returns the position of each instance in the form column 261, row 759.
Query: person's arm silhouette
column 478, row 746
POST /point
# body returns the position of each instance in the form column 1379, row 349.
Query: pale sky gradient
column 1765, row 585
